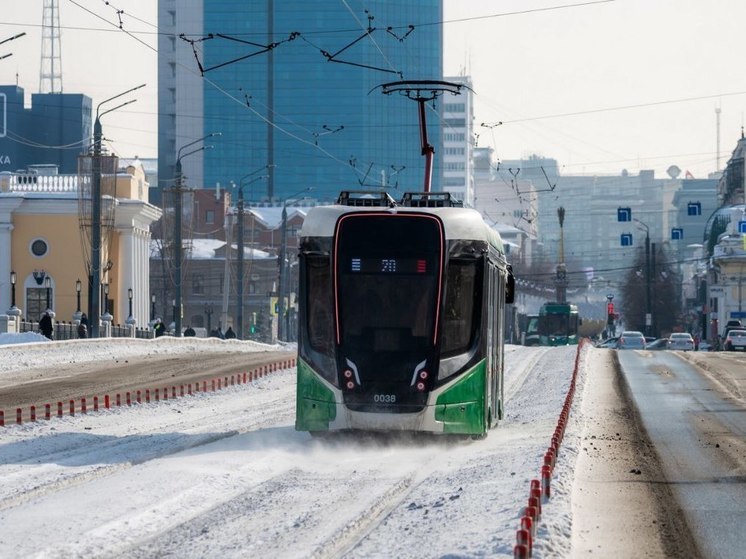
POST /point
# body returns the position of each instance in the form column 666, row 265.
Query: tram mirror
column 510, row 287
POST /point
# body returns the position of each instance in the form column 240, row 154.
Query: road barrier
column 216, row 383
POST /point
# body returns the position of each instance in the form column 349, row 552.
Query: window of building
column 454, row 137
column 39, row 247
column 454, row 166
column 209, row 217
column 455, row 107
column 455, row 122
column 36, row 302
column 454, row 151
column 198, row 283
column 454, row 181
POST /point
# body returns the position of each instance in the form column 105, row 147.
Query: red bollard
column 189, row 389
column 72, row 407
column 220, row 384
column 165, row 393
column 523, row 537
column 213, row 385
column 147, row 395
column 244, row 377
column 157, row 395
column 528, row 524
column 520, row 552
column 546, row 479
column 95, row 403
column 83, row 408
column 32, row 412
column 138, row 397
column 107, row 401
column 59, row 409
column 2, row 418
column 47, row 411
column 204, row 386
column 19, row 416
column 181, row 390
column 173, row 393
column 536, row 503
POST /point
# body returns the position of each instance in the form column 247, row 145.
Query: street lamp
column 208, row 312
column 94, row 283
column 78, row 287
column 106, row 298
column 12, row 290
column 48, row 285
column 240, row 244
column 283, row 311
column 648, row 304
column 178, row 191
column 152, row 307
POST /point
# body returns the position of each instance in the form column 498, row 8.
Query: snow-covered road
column 224, row 474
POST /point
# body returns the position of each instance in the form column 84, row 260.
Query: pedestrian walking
column 46, row 326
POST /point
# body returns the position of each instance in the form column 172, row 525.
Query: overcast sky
column 600, row 86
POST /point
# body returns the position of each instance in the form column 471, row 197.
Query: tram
column 558, row 324
column 401, row 316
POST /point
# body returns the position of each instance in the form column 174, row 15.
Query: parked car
column 732, row 325
column 735, row 340
column 660, row 343
column 631, row 339
column 681, row 340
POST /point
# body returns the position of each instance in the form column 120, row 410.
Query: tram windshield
column 388, row 272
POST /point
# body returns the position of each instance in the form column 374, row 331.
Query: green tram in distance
column 558, row 324
column 401, row 317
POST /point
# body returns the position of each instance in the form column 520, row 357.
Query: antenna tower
column 50, row 76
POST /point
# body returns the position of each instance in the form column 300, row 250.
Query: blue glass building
column 294, row 85
column 53, row 131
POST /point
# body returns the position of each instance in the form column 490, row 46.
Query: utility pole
column 94, row 278
column 560, row 280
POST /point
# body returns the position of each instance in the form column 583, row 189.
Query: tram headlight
column 420, row 386
column 423, row 375
column 347, row 374
column 350, row 385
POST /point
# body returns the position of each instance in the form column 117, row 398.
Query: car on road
column 681, row 340
column 735, row 340
column 660, row 343
column 732, row 325
column 631, row 339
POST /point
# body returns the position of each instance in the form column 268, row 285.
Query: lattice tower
column 50, row 76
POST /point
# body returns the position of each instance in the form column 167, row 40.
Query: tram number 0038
column 384, row 398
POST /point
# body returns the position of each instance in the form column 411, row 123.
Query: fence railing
column 69, row 330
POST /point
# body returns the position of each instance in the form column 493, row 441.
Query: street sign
column 624, row 214
column 738, row 314
column 626, row 239
column 677, row 233
column 694, row 208
column 742, row 226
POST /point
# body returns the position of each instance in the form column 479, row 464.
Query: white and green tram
column 401, row 317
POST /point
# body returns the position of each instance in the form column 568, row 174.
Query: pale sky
column 600, row 86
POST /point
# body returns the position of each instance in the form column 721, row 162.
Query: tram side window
column 319, row 304
column 458, row 312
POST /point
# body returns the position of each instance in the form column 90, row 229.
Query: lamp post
column 12, row 290
column 94, row 283
column 240, row 245
column 208, row 312
column 78, row 287
column 48, row 285
column 106, row 298
column 283, row 324
column 178, row 191
column 648, row 302
column 129, row 296
column 152, row 307
column 173, row 311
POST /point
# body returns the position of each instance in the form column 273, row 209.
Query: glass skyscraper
column 294, row 85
